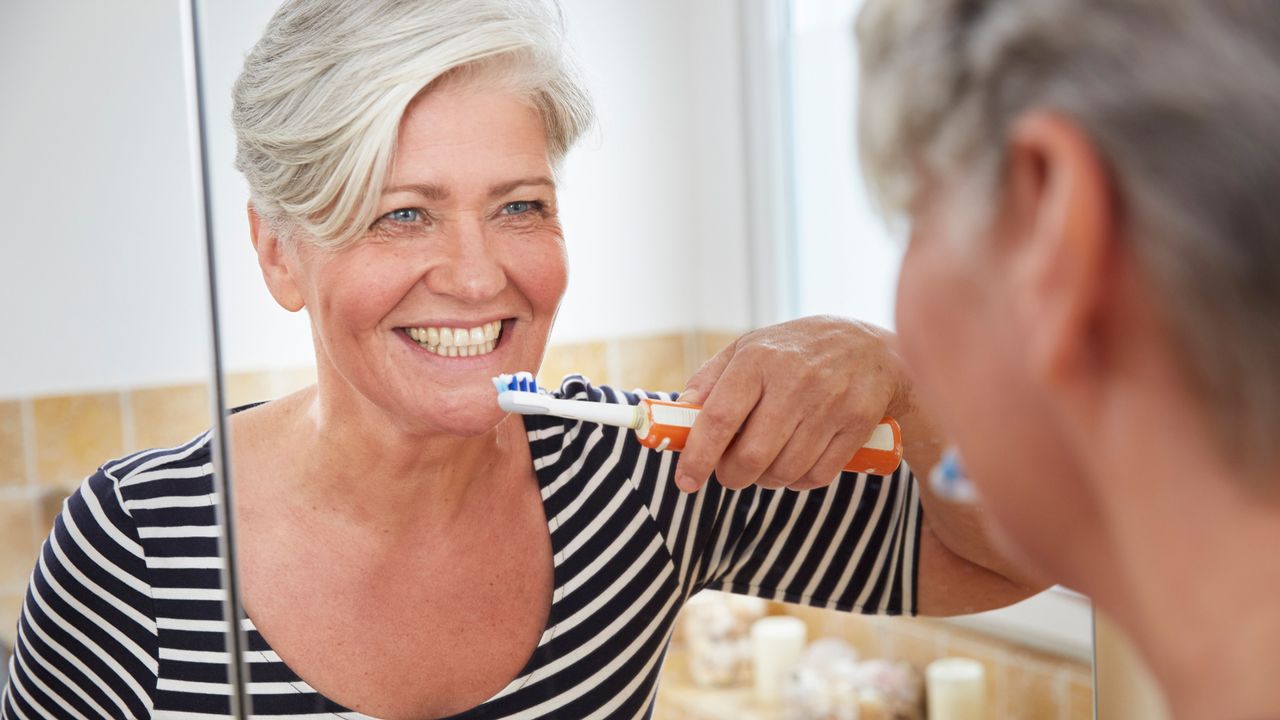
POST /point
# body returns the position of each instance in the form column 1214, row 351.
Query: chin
column 463, row 419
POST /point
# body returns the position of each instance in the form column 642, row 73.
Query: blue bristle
column 530, row 385
column 521, row 382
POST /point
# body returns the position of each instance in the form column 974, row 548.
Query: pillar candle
column 776, row 645
column 956, row 689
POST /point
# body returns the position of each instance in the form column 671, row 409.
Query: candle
column 956, row 689
column 776, row 645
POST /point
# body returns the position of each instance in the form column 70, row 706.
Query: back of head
column 1182, row 100
column 319, row 102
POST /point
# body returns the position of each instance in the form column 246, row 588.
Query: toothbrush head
column 519, row 393
column 521, row 381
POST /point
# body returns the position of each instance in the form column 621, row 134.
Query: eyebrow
column 438, row 193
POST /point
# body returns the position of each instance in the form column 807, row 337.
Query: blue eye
column 404, row 215
column 521, row 207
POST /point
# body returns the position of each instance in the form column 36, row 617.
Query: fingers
column 797, row 457
column 832, row 461
column 768, row 434
column 726, row 409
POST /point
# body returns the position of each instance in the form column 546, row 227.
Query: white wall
column 101, row 279
column 99, row 253
column 846, row 262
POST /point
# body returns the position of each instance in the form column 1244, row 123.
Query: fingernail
column 688, row 395
column 686, row 483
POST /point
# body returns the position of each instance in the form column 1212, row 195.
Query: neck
column 358, row 463
column 1192, row 550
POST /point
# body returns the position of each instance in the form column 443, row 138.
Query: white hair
column 1181, row 99
column 318, row 105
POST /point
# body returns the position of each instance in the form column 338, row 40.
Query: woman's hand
column 788, row 405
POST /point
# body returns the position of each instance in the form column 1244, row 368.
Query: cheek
column 542, row 274
column 930, row 330
column 359, row 293
column 966, row 366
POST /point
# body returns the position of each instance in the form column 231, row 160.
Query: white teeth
column 458, row 342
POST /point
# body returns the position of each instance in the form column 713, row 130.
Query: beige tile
column 74, row 434
column 710, row 342
column 17, row 542
column 862, row 632
column 653, row 363
column 10, row 609
column 1036, row 691
column 587, row 359
column 249, row 387
column 167, row 416
column 1080, row 696
column 48, row 506
column 13, row 461
column 291, row 380
column 916, row 643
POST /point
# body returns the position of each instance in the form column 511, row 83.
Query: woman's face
column 460, row 277
column 958, row 324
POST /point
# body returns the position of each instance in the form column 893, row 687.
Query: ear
column 1058, row 198
column 274, row 263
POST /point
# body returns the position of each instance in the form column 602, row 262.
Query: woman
column 1095, row 184
column 406, row 549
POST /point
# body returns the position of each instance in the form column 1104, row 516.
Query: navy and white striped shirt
column 122, row 616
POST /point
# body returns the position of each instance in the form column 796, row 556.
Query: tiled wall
column 49, row 444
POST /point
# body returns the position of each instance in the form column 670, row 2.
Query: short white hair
column 318, row 105
column 1181, row 99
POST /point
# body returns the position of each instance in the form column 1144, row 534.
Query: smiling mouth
column 457, row 342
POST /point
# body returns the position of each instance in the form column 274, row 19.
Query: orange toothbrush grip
column 880, row 456
column 883, row 454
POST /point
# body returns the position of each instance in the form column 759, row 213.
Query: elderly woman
column 406, row 549
column 1095, row 184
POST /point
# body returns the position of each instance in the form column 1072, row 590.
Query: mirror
column 106, row 355
column 675, row 156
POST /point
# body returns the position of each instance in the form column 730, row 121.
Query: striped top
column 121, row 618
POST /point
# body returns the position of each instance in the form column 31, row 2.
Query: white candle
column 776, row 645
column 956, row 689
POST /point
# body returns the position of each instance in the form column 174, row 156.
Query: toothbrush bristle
column 520, row 382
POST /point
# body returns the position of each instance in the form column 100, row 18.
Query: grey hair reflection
column 1182, row 100
column 318, row 105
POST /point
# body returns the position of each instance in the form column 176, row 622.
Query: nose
column 469, row 270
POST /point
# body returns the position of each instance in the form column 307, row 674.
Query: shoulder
column 142, row 480
column 103, row 523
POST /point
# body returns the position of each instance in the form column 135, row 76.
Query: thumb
column 700, row 385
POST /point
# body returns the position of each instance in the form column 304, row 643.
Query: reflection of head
column 1180, row 98
column 318, row 105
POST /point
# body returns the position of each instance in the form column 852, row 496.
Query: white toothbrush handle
column 530, row 403
column 627, row 416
